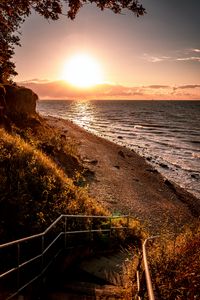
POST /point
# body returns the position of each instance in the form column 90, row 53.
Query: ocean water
column 166, row 133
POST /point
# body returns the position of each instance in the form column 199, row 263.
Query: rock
column 152, row 170
column 121, row 153
column 94, row 162
column 20, row 100
column 195, row 176
column 2, row 100
column 164, row 166
column 149, row 158
column 117, row 167
column 170, row 184
column 2, row 95
column 120, row 137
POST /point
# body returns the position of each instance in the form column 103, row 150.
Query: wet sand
column 123, row 182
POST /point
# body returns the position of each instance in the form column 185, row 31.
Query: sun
column 82, row 71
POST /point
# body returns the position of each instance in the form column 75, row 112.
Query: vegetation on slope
column 34, row 190
column 175, row 265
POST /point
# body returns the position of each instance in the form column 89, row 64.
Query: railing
column 146, row 269
column 40, row 250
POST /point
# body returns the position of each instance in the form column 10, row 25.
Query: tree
column 14, row 12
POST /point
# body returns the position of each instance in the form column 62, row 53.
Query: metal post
column 146, row 268
column 91, row 235
column 42, row 250
column 138, row 283
column 110, row 227
column 128, row 219
column 65, row 229
column 18, row 263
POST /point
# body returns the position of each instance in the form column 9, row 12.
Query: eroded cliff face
column 2, row 96
column 19, row 100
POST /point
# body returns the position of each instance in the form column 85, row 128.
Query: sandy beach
column 124, row 183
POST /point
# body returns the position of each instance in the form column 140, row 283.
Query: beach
column 125, row 183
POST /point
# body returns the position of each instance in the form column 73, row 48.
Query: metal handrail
column 44, row 250
column 146, row 268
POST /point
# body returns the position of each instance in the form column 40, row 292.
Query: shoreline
column 125, row 183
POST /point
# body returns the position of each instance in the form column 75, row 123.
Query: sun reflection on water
column 83, row 112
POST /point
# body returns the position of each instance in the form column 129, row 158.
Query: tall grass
column 175, row 265
column 34, row 190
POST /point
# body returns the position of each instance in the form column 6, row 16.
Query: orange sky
column 153, row 57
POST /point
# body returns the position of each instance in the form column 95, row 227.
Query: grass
column 175, row 265
column 34, row 190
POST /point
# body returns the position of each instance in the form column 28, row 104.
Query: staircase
column 81, row 274
column 103, row 276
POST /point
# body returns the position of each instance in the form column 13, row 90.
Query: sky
column 156, row 56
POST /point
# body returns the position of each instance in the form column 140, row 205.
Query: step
column 64, row 296
column 85, row 290
column 100, row 277
column 109, row 268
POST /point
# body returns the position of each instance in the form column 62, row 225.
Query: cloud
column 178, row 55
column 63, row 90
column 192, row 58
column 35, row 80
column 188, row 86
column 155, row 59
column 196, row 50
column 157, row 86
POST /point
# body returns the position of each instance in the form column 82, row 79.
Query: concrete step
column 87, row 291
column 110, row 268
column 100, row 277
column 64, row 296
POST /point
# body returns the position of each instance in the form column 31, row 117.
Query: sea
column 166, row 133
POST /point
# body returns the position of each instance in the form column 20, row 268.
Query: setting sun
column 82, row 71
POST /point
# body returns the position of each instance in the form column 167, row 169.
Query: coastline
column 125, row 183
